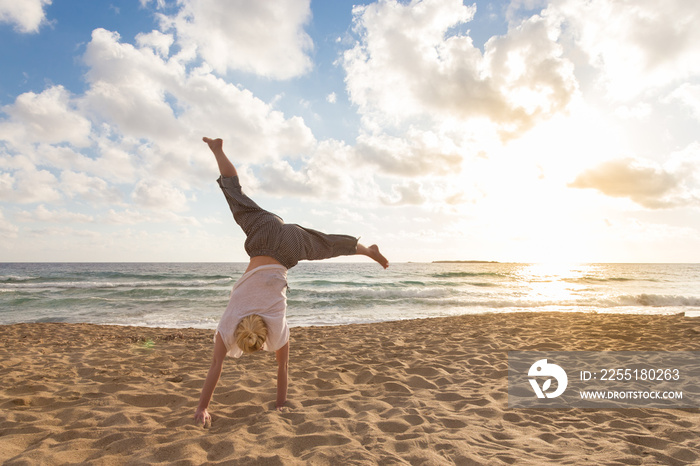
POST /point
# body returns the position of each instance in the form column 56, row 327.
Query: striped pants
column 268, row 235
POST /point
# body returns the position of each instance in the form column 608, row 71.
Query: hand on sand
column 202, row 418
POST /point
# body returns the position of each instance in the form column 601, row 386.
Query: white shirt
column 260, row 291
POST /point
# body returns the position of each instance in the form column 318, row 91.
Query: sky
column 513, row 131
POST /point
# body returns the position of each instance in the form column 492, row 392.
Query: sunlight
column 554, row 282
column 569, row 143
column 548, row 271
column 527, row 203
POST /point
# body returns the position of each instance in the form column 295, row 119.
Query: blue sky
column 523, row 130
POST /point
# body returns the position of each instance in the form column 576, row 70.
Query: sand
column 412, row 392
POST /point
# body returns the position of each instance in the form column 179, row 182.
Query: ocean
column 178, row 295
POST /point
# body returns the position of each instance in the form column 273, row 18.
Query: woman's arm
column 282, row 355
column 201, row 415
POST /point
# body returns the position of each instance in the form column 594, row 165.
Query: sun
column 528, row 204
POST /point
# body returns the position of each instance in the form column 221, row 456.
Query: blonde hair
column 251, row 333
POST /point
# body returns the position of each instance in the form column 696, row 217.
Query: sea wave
column 63, row 284
column 369, row 293
column 465, row 274
column 438, row 298
column 180, row 294
column 603, row 280
column 653, row 300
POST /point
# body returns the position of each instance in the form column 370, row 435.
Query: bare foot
column 373, row 253
column 214, row 144
column 377, row 256
column 226, row 168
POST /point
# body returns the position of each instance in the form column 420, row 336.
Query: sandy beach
column 410, row 392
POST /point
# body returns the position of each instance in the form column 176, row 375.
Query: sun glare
column 528, row 204
column 554, row 282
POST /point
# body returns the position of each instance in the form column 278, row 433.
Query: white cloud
column 280, row 178
column 50, row 117
column 430, row 99
column 125, row 217
column 448, row 130
column 648, row 184
column 89, row 188
column 515, row 7
column 143, row 96
column 76, row 235
column 414, row 154
column 528, row 69
column 265, row 38
column 116, row 163
column 141, row 117
column 25, row 183
column 156, row 40
column 637, row 111
column 159, row 195
column 689, row 95
column 43, row 214
column 406, row 65
column 636, row 45
column 645, row 185
column 135, row 217
column 26, row 15
column 128, row 87
column 7, row 229
column 405, row 193
column 139, row 124
column 159, row 3
column 397, row 45
column 329, row 172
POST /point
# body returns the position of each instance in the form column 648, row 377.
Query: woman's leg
column 373, row 253
column 300, row 243
column 226, row 168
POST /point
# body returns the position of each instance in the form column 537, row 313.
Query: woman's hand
column 202, row 418
column 282, row 356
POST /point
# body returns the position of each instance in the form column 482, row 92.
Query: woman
column 255, row 318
